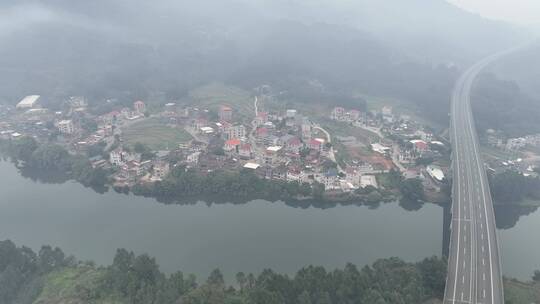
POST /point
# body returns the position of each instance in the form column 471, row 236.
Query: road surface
column 474, row 267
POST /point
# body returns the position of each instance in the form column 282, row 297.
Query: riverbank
column 181, row 183
column 137, row 279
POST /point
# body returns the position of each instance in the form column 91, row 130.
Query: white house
column 66, row 127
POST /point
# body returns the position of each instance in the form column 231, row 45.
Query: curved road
column 474, row 267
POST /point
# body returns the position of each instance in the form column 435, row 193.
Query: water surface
column 250, row 237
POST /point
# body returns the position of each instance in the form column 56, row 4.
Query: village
column 137, row 147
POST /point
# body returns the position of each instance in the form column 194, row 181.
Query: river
column 198, row 238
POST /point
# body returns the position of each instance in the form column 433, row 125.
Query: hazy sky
column 516, row 11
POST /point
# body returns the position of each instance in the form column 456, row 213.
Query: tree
column 51, row 157
column 23, row 148
column 50, row 259
column 433, row 272
column 328, row 164
column 412, row 189
column 536, row 276
column 304, row 298
column 139, row 148
column 89, row 125
column 374, row 197
column 216, row 278
column 241, row 279
column 318, row 190
column 424, row 161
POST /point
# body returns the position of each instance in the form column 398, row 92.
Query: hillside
column 313, row 52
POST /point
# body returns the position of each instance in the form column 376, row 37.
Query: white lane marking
column 459, row 181
column 484, row 276
column 463, row 280
column 481, row 226
column 484, row 293
column 463, row 264
column 482, row 172
column 482, row 248
column 483, row 261
column 482, row 236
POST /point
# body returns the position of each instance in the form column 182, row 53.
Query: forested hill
column 134, row 49
column 50, row 277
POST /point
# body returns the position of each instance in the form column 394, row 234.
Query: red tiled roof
column 421, row 145
column 233, row 142
column 314, row 142
column 261, row 131
column 294, row 142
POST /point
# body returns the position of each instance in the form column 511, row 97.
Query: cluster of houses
column 402, row 140
column 275, row 145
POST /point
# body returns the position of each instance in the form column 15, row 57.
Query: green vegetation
column 213, row 95
column 412, row 190
column 341, row 153
column 154, row 134
column 390, row 180
column 512, row 187
column 536, row 276
column 137, row 280
column 53, row 159
column 183, row 186
column 404, row 107
column 22, row 271
column 501, row 105
column 80, row 283
column 344, row 129
column 244, row 185
column 516, row 292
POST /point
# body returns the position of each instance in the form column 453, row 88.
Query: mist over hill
column 137, row 49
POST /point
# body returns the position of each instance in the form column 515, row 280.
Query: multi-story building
column 66, row 127
column 193, row 158
column 119, row 157
column 28, row 102
column 354, row 115
column 245, row 151
column 291, row 113
column 225, row 113
column 338, row 113
column 306, row 130
column 139, row 107
column 238, row 131
column 294, row 145
column 160, row 169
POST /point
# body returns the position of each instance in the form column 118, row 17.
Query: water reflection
column 507, row 216
column 411, row 205
column 310, row 232
column 57, row 177
column 196, row 238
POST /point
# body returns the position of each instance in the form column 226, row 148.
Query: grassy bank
column 154, row 134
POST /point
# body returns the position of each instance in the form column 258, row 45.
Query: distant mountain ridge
column 133, row 48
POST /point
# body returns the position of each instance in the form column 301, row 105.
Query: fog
column 264, row 134
column 139, row 48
